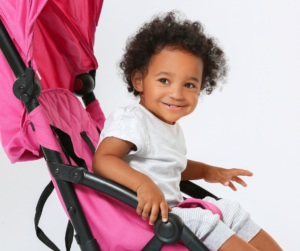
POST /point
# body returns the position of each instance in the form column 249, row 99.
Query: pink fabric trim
column 192, row 203
column 96, row 114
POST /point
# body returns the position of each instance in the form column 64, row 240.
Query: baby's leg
column 236, row 218
column 207, row 226
column 235, row 243
column 211, row 230
column 263, row 241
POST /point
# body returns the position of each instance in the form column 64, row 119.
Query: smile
column 173, row 107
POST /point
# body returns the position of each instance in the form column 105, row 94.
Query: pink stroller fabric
column 192, row 203
column 58, row 38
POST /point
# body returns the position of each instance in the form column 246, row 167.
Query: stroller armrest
column 111, row 188
column 80, row 175
column 194, row 190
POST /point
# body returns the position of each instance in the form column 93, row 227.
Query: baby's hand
column 225, row 176
column 151, row 198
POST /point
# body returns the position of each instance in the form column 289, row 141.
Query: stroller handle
column 10, row 52
column 30, row 85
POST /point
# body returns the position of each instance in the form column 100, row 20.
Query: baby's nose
column 176, row 92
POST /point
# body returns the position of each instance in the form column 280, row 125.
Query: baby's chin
column 170, row 119
column 165, row 118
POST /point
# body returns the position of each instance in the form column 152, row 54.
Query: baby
column 167, row 64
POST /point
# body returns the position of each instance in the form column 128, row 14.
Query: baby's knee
column 232, row 211
column 199, row 220
column 236, row 218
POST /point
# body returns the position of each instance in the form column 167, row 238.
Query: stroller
column 47, row 55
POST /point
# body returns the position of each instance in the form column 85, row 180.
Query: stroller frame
column 165, row 233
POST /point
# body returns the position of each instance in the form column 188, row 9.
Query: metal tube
column 111, row 188
column 10, row 52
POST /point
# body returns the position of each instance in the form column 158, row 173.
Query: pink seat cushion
column 192, row 203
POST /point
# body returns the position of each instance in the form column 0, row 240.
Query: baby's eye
column 164, row 80
column 189, row 85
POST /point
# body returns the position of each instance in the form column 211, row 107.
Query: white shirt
column 161, row 148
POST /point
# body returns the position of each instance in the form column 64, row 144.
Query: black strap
column 69, row 236
column 88, row 141
column 38, row 213
column 194, row 190
column 64, row 151
column 67, row 145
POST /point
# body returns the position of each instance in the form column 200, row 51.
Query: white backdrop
column 252, row 124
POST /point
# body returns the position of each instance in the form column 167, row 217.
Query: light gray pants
column 211, row 230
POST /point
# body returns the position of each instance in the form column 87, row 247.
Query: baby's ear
column 137, row 80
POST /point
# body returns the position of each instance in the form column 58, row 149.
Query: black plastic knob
column 169, row 232
column 24, row 97
column 166, row 230
column 83, row 84
column 76, row 175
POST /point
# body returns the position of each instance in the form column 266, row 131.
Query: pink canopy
column 58, row 38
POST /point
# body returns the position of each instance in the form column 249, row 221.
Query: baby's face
column 172, row 85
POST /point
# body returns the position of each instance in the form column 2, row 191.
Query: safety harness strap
column 88, row 141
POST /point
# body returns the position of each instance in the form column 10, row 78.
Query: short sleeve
column 125, row 124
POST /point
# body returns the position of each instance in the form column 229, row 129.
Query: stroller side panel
column 96, row 113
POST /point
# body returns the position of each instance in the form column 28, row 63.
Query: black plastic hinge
column 65, row 172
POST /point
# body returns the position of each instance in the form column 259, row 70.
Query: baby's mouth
column 173, row 106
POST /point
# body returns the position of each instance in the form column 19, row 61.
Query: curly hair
column 167, row 30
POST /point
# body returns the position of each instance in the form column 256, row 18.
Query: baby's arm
column 108, row 163
column 197, row 170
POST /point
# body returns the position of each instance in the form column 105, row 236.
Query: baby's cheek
column 193, row 104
